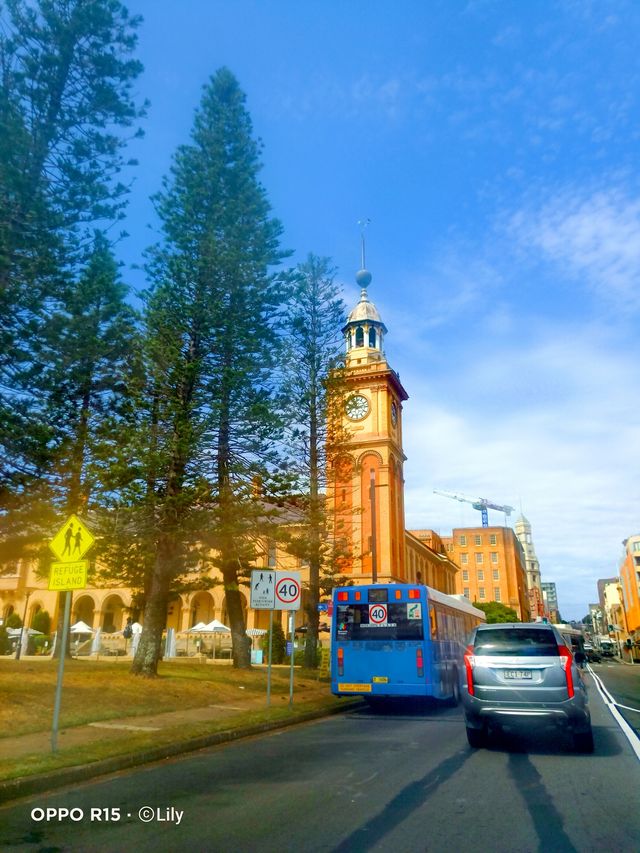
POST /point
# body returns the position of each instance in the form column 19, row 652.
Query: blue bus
column 398, row 640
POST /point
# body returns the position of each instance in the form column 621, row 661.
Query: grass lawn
column 96, row 691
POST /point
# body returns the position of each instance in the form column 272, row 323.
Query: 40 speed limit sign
column 288, row 591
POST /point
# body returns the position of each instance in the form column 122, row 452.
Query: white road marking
column 610, row 702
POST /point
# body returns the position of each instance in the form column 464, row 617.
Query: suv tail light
column 419, row 663
column 469, row 663
column 566, row 659
column 340, row 661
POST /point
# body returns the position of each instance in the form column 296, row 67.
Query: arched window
column 359, row 336
column 372, row 337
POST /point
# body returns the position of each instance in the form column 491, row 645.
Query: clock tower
column 368, row 482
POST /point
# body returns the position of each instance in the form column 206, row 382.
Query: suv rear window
column 524, row 642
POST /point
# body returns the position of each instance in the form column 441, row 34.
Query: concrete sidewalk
column 117, row 731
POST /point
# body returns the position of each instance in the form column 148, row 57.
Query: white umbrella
column 199, row 627
column 81, row 628
column 216, row 627
column 256, row 632
column 15, row 632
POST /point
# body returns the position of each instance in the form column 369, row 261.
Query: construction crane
column 481, row 504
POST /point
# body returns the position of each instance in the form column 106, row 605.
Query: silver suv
column 519, row 674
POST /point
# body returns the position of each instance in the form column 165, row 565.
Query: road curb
column 24, row 786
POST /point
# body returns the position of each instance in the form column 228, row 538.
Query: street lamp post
column 24, row 619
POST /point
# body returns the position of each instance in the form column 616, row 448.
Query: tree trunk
column 149, row 649
column 60, row 627
column 241, row 644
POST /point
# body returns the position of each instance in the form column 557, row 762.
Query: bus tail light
column 343, row 596
column 469, row 663
column 566, row 659
column 419, row 662
column 340, row 661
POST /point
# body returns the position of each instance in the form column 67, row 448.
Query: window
column 477, row 540
column 636, row 546
column 465, row 592
column 526, row 642
column 479, row 559
column 372, row 337
column 496, row 594
column 359, row 336
column 492, row 539
column 463, row 540
column 464, row 558
column 494, row 556
column 496, row 574
column 480, row 574
column 465, row 574
column 481, row 592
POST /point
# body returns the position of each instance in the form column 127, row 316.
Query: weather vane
column 363, row 223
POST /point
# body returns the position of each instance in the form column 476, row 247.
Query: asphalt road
column 398, row 781
column 623, row 682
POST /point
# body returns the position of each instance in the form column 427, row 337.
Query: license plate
column 517, row 673
column 354, row 688
column 380, row 679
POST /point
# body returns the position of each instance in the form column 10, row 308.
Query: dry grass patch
column 104, row 690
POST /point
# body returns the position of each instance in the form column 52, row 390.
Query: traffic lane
column 623, row 682
column 533, row 792
column 367, row 781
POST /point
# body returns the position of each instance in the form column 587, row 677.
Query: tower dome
column 364, row 330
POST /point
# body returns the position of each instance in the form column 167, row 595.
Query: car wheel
column 583, row 741
column 477, row 738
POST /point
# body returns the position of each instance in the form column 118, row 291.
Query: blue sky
column 494, row 146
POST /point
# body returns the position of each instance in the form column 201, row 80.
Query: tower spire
column 363, row 223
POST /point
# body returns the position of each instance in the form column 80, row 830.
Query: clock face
column 394, row 412
column 357, row 407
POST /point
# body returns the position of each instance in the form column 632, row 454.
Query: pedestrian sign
column 72, row 541
column 263, row 584
column 66, row 576
column 275, row 590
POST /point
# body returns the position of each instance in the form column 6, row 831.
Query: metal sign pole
column 56, row 707
column 292, row 620
column 269, row 666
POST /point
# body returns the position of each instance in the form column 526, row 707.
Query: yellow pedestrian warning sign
column 72, row 541
column 65, row 576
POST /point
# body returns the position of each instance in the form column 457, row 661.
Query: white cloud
column 594, row 236
column 557, row 430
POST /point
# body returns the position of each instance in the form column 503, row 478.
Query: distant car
column 517, row 674
column 592, row 655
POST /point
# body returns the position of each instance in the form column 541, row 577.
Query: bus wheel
column 454, row 699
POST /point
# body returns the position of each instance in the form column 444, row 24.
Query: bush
column 13, row 621
column 278, row 647
column 38, row 644
column 298, row 657
column 41, row 622
column 5, row 642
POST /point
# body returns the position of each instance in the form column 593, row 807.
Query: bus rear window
column 399, row 621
